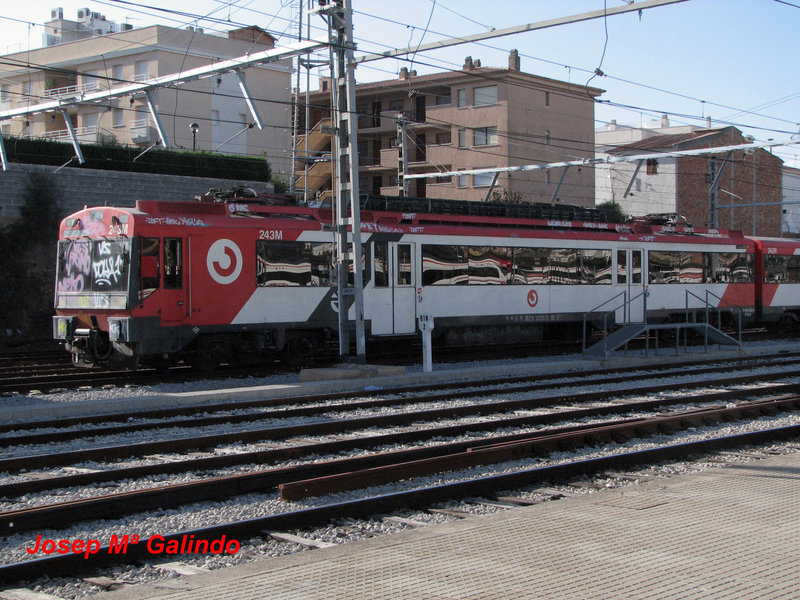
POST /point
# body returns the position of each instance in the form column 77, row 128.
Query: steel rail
column 376, row 468
column 500, row 451
column 216, row 488
column 306, row 411
column 655, row 370
column 275, row 455
column 337, row 426
column 72, row 564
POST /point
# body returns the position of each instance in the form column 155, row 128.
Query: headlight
column 62, row 328
column 117, row 330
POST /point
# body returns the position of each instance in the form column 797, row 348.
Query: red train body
column 207, row 282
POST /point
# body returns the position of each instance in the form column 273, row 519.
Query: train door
column 174, row 307
column 404, row 311
column 630, row 279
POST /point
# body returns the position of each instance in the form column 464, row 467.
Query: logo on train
column 533, row 298
column 224, row 261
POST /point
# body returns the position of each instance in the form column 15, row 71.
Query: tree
column 614, row 211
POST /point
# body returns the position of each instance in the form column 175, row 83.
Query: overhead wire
column 228, row 4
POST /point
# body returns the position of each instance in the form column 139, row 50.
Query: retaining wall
column 80, row 187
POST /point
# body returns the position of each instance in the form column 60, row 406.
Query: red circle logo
column 533, row 298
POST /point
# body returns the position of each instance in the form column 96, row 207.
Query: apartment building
column 472, row 118
column 215, row 105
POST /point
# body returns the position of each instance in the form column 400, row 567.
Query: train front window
column 93, row 273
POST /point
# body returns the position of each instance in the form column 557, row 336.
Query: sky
column 733, row 61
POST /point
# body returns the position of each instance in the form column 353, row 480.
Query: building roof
column 448, row 77
column 671, row 141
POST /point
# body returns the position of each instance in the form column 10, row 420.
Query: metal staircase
column 628, row 331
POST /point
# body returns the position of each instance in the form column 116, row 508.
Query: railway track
column 477, row 427
column 52, row 370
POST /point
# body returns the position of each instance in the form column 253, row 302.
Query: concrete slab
column 350, row 371
column 729, row 532
column 366, row 381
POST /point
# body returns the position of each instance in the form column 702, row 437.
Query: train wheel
column 299, row 352
column 786, row 326
column 79, row 360
column 211, row 352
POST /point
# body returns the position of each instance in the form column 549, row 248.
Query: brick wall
column 737, row 182
column 89, row 187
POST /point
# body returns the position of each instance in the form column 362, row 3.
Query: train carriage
column 208, row 282
column 778, row 276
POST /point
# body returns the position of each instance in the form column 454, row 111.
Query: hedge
column 120, row 158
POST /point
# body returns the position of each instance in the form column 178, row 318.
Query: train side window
column 489, row 265
column 793, row 268
column 444, row 265
column 403, row 264
column 381, row 263
column 531, row 266
column 781, row 268
column 622, row 266
column 595, row 267
column 564, row 266
column 662, row 267
column 284, row 264
column 149, row 266
column 636, row 267
column 364, row 273
column 173, row 263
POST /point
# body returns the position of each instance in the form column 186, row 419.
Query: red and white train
column 208, row 282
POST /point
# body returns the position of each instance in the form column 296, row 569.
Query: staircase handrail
column 625, row 304
column 707, row 306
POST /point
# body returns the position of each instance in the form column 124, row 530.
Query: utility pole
column 296, row 105
column 345, row 119
column 713, row 194
column 402, row 160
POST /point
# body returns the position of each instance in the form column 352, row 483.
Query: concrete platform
column 731, row 532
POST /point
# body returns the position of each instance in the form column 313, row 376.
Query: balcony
column 142, row 132
column 86, row 135
column 71, row 91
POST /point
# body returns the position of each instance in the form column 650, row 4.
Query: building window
column 396, row 105
column 652, row 166
column 443, row 138
column 547, row 99
column 484, row 96
column 462, row 97
column 142, row 70
column 462, row 138
column 91, row 121
column 462, row 180
column 547, row 137
column 445, row 178
column 116, row 73
column 482, row 179
column 90, row 81
column 5, row 93
column 117, row 117
column 443, row 99
column 215, row 117
column 547, row 176
column 485, row 136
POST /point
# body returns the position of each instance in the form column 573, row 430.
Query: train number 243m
column 270, row 234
